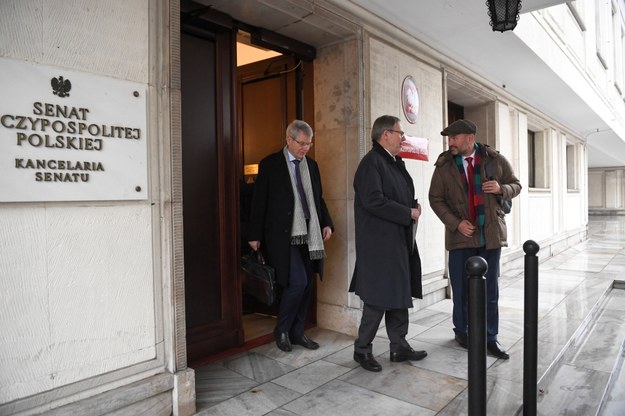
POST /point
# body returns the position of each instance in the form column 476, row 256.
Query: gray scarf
column 300, row 233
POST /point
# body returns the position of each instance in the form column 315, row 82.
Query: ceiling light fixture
column 504, row 14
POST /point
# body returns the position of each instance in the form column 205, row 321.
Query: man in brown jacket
column 469, row 182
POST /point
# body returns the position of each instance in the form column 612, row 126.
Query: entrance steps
column 587, row 377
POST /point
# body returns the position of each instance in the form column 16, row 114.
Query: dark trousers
column 396, row 327
column 296, row 296
column 460, row 289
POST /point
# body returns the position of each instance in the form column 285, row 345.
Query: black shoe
column 495, row 348
column 404, row 354
column 462, row 340
column 367, row 361
column 282, row 341
column 305, row 342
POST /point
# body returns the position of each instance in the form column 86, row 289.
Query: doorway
column 231, row 118
column 270, row 96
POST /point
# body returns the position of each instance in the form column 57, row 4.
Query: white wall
column 389, row 67
column 541, row 226
column 569, row 46
column 77, row 279
column 78, row 294
column 607, row 190
column 103, row 37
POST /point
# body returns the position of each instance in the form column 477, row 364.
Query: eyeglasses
column 303, row 144
column 401, row 133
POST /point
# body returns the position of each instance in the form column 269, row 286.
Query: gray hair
column 299, row 125
column 382, row 124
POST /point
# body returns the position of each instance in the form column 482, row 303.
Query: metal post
column 476, row 268
column 530, row 336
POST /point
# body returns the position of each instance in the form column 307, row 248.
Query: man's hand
column 491, row 187
column 254, row 244
column 466, row 228
column 415, row 213
column 327, row 233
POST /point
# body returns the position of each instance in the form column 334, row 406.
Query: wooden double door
column 231, row 118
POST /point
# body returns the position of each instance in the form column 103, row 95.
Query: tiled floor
column 267, row 381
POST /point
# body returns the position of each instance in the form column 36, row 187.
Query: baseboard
column 153, row 395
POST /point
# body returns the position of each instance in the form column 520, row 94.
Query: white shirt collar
column 472, row 155
column 291, row 157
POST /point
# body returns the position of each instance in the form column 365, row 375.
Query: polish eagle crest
column 61, row 86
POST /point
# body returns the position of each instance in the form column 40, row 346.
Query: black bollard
column 530, row 336
column 476, row 268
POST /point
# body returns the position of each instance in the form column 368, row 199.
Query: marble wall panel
column 337, row 86
column 78, row 277
column 107, row 38
column 337, row 136
column 388, row 68
column 90, row 295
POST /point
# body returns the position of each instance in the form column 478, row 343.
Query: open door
column 210, row 194
column 270, row 95
column 230, row 119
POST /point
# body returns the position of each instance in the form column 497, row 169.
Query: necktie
column 471, row 190
column 300, row 189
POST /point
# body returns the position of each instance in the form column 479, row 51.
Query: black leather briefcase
column 259, row 278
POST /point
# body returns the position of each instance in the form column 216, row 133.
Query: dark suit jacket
column 272, row 212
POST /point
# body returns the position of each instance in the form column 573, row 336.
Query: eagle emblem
column 61, row 86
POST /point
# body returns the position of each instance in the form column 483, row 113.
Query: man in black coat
column 290, row 219
column 388, row 268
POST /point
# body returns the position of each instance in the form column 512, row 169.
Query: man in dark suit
column 388, row 267
column 289, row 218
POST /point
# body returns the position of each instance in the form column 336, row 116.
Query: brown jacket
column 448, row 199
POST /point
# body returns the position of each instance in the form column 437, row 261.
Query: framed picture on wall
column 410, row 99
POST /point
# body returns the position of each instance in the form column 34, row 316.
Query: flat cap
column 460, row 127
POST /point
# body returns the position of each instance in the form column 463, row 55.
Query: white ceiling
column 458, row 29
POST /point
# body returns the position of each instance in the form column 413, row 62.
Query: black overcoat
column 388, row 267
column 271, row 215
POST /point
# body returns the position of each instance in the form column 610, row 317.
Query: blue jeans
column 460, row 289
